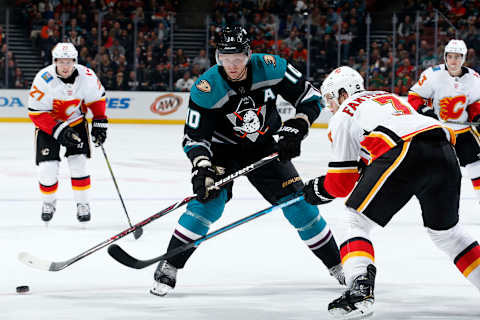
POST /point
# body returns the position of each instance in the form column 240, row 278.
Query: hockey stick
column 139, row 231
column 465, row 123
column 47, row 265
column 124, row 258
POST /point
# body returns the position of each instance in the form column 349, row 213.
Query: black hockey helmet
column 234, row 40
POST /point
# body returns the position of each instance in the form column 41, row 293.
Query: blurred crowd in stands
column 104, row 34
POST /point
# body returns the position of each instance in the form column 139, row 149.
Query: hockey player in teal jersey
column 231, row 120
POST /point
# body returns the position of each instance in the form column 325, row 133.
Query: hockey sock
column 356, row 254
column 80, row 177
column 314, row 231
column 179, row 260
column 47, row 179
column 462, row 249
column 356, row 250
column 473, row 170
column 328, row 253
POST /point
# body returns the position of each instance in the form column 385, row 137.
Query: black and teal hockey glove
column 203, row 181
column 291, row 135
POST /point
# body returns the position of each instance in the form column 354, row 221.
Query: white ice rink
column 260, row 270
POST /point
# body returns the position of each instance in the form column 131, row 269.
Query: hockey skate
column 337, row 273
column 48, row 209
column 357, row 301
column 165, row 279
column 83, row 212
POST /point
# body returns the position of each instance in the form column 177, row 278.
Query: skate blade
column 84, row 224
column 160, row 289
column 364, row 310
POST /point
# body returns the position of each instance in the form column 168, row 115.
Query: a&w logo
column 166, row 104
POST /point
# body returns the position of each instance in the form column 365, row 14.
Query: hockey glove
column 477, row 119
column 68, row 137
column 427, row 111
column 291, row 135
column 99, row 131
column 203, row 180
column 314, row 192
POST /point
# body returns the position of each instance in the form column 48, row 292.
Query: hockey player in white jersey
column 384, row 153
column 451, row 92
column 58, row 101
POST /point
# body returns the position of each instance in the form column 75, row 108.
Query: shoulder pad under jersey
column 210, row 91
column 267, row 69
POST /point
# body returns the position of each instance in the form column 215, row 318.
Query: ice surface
column 260, row 270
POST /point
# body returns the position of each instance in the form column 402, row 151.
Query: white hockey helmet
column 455, row 46
column 64, row 50
column 342, row 78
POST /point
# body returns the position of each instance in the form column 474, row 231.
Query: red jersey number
column 399, row 106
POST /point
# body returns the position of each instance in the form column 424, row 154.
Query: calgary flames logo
column 63, row 109
column 448, row 105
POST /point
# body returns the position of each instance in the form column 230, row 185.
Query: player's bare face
column 65, row 67
column 332, row 103
column 454, row 63
column 235, row 65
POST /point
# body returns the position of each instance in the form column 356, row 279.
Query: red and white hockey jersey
column 452, row 98
column 52, row 101
column 367, row 125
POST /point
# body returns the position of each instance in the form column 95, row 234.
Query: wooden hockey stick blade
column 117, row 253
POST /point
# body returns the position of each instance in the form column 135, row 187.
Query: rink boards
column 133, row 107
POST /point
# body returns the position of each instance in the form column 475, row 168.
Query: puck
column 22, row 289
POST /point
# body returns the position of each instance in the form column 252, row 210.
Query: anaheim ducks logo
column 448, row 105
column 204, row 86
column 63, row 109
column 248, row 120
column 269, row 59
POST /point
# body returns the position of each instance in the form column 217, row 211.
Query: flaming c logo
column 447, row 107
column 63, row 109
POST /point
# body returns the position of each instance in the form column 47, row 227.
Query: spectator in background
column 406, row 29
column 2, row 36
column 119, row 83
column 471, row 61
column 285, row 51
column 181, row 60
column 74, row 38
column 405, row 68
column 116, row 46
column 292, row 41
column 300, row 55
column 159, row 78
column 83, row 55
column 19, row 80
column 161, row 32
column 202, row 60
column 108, row 80
column 105, row 66
column 184, row 84
column 132, row 82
